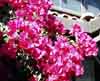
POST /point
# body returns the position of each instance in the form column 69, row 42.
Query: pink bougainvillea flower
column 58, row 58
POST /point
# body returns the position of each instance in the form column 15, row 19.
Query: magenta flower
column 42, row 35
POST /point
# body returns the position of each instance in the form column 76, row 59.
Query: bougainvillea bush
column 39, row 41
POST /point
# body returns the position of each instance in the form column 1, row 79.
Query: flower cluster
column 43, row 37
column 86, row 45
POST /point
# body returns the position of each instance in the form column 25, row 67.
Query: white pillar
column 84, row 6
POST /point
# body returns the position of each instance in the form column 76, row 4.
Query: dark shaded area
column 73, row 78
column 94, row 34
column 70, row 37
column 9, row 71
column 29, row 65
column 97, row 65
column 5, row 14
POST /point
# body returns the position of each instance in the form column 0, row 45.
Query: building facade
column 87, row 13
